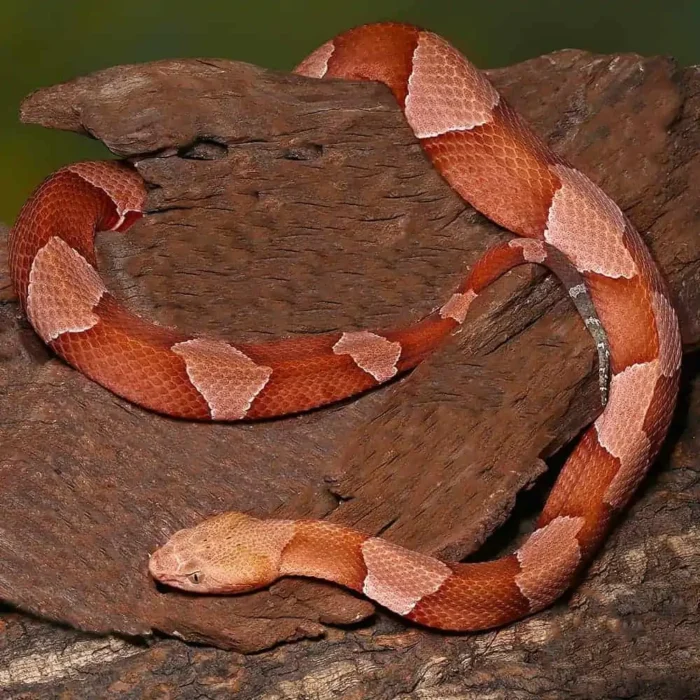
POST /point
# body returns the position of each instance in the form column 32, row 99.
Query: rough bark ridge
column 281, row 205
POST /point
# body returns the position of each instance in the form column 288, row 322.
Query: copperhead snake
column 488, row 154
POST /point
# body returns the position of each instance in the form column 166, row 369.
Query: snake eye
column 195, row 577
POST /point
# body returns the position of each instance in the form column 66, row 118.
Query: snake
column 489, row 155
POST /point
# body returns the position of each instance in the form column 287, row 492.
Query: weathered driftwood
column 281, row 205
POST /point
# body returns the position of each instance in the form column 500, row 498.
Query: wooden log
column 280, row 205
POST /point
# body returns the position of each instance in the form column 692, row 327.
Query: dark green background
column 46, row 42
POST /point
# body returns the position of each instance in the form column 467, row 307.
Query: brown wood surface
column 281, row 205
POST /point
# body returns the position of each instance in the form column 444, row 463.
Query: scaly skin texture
column 493, row 160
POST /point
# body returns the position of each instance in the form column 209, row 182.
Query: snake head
column 229, row 553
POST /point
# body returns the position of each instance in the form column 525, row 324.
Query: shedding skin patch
column 315, row 65
column 588, row 227
column 398, row 578
column 63, row 291
column 548, row 560
column 621, row 427
column 670, row 345
column 534, row 251
column 577, row 291
column 458, row 305
column 228, row 380
column 371, row 352
column 445, row 91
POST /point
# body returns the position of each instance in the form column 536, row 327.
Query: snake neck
column 325, row 551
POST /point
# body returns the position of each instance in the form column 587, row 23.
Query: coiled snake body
column 493, row 160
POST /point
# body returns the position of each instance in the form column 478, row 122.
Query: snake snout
column 164, row 564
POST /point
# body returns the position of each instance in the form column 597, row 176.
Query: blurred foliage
column 44, row 42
